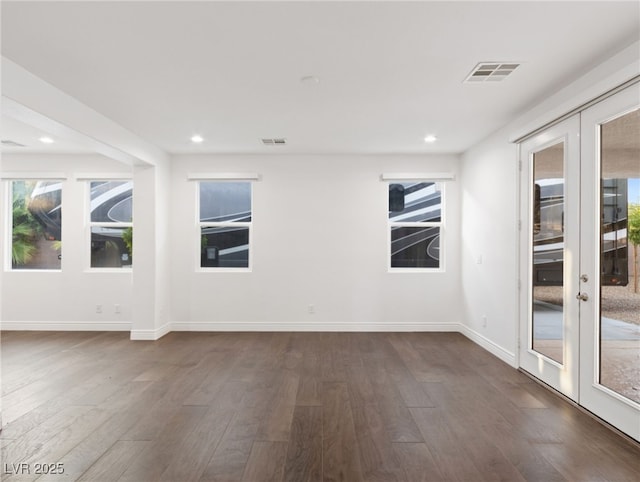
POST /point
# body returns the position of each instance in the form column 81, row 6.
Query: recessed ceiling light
column 430, row 138
column 197, row 139
column 46, row 140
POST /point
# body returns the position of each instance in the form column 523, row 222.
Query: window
column 224, row 224
column 36, row 224
column 415, row 225
column 110, row 224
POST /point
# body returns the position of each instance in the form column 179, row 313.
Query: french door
column 580, row 299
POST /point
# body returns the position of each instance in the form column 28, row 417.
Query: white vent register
column 491, row 72
column 274, row 141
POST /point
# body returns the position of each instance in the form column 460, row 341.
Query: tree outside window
column 36, row 226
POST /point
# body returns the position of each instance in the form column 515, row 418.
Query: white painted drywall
column 320, row 238
column 151, row 276
column 489, row 197
column 66, row 299
column 489, row 245
column 31, row 100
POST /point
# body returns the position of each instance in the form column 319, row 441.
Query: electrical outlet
column 98, row 308
column 117, row 309
column 311, row 309
column 484, row 321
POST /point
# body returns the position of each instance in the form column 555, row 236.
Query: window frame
column 238, row 224
column 9, row 180
column 439, row 181
column 89, row 224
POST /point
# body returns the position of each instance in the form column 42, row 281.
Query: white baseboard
column 151, row 335
column 213, row 326
column 491, row 347
column 65, row 326
column 310, row 326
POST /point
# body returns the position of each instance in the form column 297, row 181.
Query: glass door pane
column 619, row 318
column 550, row 213
column 609, row 227
column 548, row 252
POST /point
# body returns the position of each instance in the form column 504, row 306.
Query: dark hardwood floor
column 289, row 406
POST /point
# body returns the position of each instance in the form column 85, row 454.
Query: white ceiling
column 29, row 137
column 390, row 72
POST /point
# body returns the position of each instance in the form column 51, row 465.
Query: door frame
column 604, row 402
column 563, row 377
column 584, row 387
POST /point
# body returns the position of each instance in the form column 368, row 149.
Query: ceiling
column 389, row 73
column 29, row 139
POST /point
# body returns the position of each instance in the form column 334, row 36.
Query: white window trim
column 8, row 179
column 426, row 177
column 223, row 176
column 33, row 175
column 199, row 225
column 90, row 224
column 102, row 176
column 436, row 178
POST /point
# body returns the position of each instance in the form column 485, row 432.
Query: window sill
column 223, row 270
column 109, row 270
column 11, row 270
column 415, row 270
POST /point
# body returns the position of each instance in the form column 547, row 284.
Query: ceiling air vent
column 491, row 71
column 274, row 141
column 10, row 143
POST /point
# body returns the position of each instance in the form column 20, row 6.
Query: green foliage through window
column 26, row 229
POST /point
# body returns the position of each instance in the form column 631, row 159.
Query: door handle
column 582, row 296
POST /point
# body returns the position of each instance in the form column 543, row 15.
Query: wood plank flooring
column 290, row 407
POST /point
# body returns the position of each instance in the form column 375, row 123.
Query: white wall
column 489, row 245
column 151, row 275
column 489, row 197
column 65, row 299
column 319, row 238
